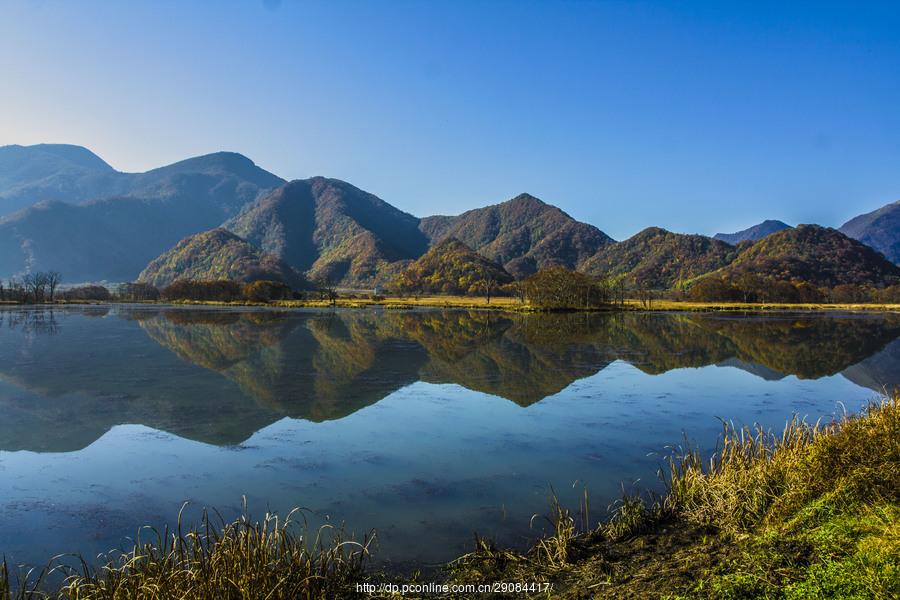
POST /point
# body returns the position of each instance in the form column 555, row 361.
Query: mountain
column 451, row 267
column 820, row 256
column 218, row 254
column 29, row 174
column 752, row 234
column 659, row 259
column 65, row 173
column 879, row 229
column 330, row 229
column 114, row 238
column 523, row 234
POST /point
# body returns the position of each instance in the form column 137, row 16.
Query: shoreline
column 497, row 304
column 809, row 513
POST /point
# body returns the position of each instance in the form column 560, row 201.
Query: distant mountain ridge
column 73, row 174
column 30, row 174
column 879, row 229
column 752, row 234
column 114, row 238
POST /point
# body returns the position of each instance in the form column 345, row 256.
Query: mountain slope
column 820, row 256
column 218, row 254
column 29, row 174
column 114, row 238
column 331, row 229
column 47, row 172
column 757, row 232
column 658, row 259
column 451, row 267
column 879, row 229
column 523, row 234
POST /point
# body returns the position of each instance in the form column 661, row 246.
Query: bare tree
column 34, row 286
column 53, row 279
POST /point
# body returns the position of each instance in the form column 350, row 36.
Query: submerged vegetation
column 811, row 513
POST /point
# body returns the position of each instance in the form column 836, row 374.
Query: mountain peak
column 525, row 198
column 76, row 155
column 754, row 233
column 879, row 229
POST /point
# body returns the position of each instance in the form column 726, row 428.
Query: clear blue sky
column 699, row 117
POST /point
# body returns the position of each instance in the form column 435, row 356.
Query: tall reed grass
column 244, row 559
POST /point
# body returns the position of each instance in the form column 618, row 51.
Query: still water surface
column 425, row 425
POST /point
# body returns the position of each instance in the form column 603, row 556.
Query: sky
column 698, row 117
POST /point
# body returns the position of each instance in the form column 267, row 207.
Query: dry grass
column 679, row 305
column 272, row 558
column 813, row 512
column 514, row 304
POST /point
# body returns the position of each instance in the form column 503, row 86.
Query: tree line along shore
column 553, row 288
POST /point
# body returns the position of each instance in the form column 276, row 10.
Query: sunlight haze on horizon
column 699, row 117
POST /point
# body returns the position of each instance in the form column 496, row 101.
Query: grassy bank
column 813, row 512
column 514, row 304
column 678, row 305
column 505, row 303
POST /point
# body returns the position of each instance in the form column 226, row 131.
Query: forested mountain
column 879, row 229
column 114, row 238
column 523, row 234
column 330, row 229
column 218, row 254
column 816, row 255
column 451, row 267
column 752, row 234
column 659, row 259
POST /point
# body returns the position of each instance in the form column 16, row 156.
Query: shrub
column 266, row 291
column 87, row 292
column 558, row 288
column 189, row 289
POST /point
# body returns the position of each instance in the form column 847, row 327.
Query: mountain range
column 72, row 212
column 92, row 237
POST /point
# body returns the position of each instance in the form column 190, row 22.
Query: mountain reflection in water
column 219, row 375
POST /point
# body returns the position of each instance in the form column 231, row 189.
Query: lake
column 425, row 425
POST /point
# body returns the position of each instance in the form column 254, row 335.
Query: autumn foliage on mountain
column 451, row 267
column 218, row 255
